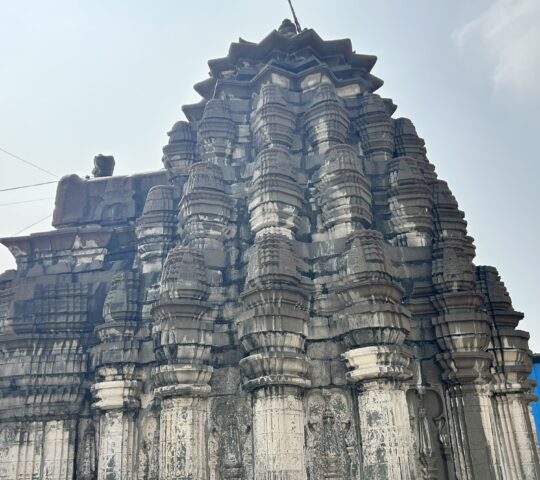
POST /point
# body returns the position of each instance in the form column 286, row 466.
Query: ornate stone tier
column 344, row 193
column 216, row 132
column 377, row 358
column 182, row 336
column 180, row 153
column 275, row 198
column 511, row 366
column 450, row 224
column 410, row 203
column 297, row 55
column 182, row 342
column 118, row 387
column 326, row 120
column 273, row 327
column 205, row 208
column 155, row 228
column 273, row 121
column 375, row 127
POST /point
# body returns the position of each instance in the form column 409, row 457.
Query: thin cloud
column 505, row 38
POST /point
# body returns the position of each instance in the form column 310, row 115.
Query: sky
column 78, row 78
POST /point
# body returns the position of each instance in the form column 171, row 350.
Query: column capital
column 378, row 361
column 117, row 394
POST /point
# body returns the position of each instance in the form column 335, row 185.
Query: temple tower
column 292, row 297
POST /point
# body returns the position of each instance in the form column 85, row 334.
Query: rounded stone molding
column 378, row 361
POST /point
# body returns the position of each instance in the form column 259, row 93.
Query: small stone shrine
column 292, row 297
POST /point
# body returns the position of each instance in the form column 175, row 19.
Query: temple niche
column 292, row 297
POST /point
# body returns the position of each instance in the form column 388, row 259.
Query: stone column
column 273, row 326
column 180, row 153
column 375, row 129
column 155, row 228
column 182, row 338
column 512, row 364
column 118, row 400
column 462, row 330
column 278, row 433
column 37, row 449
column 374, row 327
column 182, row 453
column 273, row 329
column 410, row 203
column 117, row 388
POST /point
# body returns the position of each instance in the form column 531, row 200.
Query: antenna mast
column 296, row 22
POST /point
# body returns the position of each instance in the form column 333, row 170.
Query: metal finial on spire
column 296, row 22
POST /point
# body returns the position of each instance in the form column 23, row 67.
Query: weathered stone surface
column 292, row 298
column 103, row 165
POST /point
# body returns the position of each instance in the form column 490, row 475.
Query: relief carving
column 230, row 442
column 331, row 436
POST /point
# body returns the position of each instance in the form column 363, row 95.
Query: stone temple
column 292, row 297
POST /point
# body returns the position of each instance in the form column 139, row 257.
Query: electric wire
column 25, row 201
column 27, row 186
column 31, row 225
column 28, row 163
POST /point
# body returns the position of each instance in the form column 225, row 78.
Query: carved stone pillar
column 273, row 326
column 343, row 193
column 512, row 362
column 180, row 153
column 375, row 326
column 182, row 341
column 278, row 433
column 462, row 330
column 155, row 228
column 117, row 388
column 326, row 120
column 182, row 425
column 382, row 405
column 410, row 203
column 216, row 132
column 375, row 129
column 117, row 447
column 273, row 329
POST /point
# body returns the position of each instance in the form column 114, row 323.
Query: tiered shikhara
column 293, row 297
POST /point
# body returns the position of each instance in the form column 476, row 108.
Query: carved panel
column 429, row 424
column 230, row 444
column 332, row 446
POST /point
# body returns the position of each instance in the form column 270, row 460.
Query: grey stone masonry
column 292, row 297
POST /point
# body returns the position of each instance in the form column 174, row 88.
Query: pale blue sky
column 79, row 78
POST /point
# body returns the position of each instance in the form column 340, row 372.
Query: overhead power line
column 25, row 201
column 28, row 163
column 32, row 225
column 26, row 186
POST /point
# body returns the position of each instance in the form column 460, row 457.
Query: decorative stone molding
column 273, row 121
column 344, row 194
column 155, row 228
column 180, row 153
column 216, row 132
column 326, row 121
